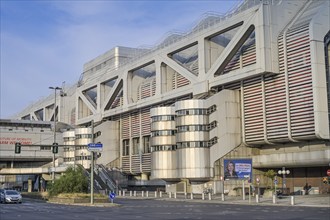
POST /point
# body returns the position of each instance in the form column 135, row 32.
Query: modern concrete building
column 251, row 84
column 36, row 157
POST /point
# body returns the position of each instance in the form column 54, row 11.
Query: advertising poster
column 237, row 169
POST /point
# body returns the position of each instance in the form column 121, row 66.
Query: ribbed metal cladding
column 288, row 112
column 193, row 153
column 83, row 137
column 69, row 150
column 163, row 144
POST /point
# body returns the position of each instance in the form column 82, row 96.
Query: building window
column 163, row 118
column 126, row 147
column 45, row 148
column 81, row 136
column 146, row 144
column 136, row 145
column 163, row 133
column 164, row 148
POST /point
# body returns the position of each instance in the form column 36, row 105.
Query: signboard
column 112, row 196
column 237, row 169
column 95, row 147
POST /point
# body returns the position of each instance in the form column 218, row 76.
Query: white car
column 10, row 196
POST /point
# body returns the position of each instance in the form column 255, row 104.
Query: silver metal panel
column 192, row 120
column 162, row 125
column 189, row 104
column 162, row 111
column 193, row 163
column 83, row 131
column 192, row 136
column 164, row 165
column 68, row 134
column 163, row 140
column 83, row 141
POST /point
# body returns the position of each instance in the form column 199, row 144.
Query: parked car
column 10, row 196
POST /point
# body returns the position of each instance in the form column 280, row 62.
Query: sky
column 44, row 43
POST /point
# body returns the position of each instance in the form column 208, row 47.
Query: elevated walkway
column 33, row 170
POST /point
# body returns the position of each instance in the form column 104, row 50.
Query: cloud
column 44, row 43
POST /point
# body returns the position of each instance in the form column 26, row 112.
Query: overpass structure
column 250, row 84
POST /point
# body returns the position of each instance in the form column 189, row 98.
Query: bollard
column 222, row 197
column 160, row 194
column 134, row 193
column 170, row 195
column 130, row 193
column 292, row 200
column 175, row 195
column 142, row 193
column 274, row 199
column 155, row 194
column 191, row 196
column 243, row 190
column 147, row 194
column 203, row 196
column 119, row 193
column 185, row 195
column 257, row 198
column 210, row 197
column 124, row 192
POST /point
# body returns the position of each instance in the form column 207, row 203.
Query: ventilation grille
column 253, row 111
column 145, row 121
column 275, row 95
column 300, row 83
column 125, row 126
column 136, row 164
column 147, row 89
column 135, row 118
column 146, row 163
column 125, row 164
column 179, row 81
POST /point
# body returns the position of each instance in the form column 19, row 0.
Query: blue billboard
column 237, row 169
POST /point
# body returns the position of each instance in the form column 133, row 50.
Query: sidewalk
column 299, row 200
column 308, row 200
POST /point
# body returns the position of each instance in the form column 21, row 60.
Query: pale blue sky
column 44, row 42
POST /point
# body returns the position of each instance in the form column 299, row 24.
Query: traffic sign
column 112, row 195
column 275, row 181
column 328, row 172
column 95, row 146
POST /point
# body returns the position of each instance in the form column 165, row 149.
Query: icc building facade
column 250, row 87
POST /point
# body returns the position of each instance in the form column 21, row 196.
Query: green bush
column 73, row 181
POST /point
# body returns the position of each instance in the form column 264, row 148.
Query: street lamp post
column 283, row 172
column 55, row 89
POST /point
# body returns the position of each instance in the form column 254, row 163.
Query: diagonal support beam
column 86, row 102
column 180, row 69
column 238, row 40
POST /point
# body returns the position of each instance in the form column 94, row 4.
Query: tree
column 271, row 175
column 73, row 181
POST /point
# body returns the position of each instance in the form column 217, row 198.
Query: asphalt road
column 156, row 209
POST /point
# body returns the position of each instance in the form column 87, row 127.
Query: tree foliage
column 73, row 181
column 271, row 175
